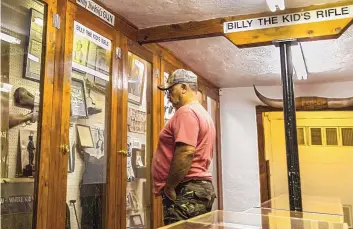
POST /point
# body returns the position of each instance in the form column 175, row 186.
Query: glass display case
column 22, row 58
column 305, row 215
column 89, row 117
column 311, row 204
column 138, row 194
column 241, row 220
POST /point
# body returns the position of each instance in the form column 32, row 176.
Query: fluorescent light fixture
column 299, row 64
column 274, row 4
column 10, row 39
column 38, row 21
column 4, row 87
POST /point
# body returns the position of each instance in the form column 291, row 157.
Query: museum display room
column 81, row 112
column 80, row 117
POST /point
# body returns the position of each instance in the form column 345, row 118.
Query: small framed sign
column 78, row 99
column 85, row 136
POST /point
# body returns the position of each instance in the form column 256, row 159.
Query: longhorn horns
column 308, row 103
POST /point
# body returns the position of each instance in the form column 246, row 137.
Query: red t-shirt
column 192, row 125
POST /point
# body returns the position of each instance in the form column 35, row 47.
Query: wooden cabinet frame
column 43, row 179
column 51, row 179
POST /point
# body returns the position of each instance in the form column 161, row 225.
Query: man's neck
column 192, row 99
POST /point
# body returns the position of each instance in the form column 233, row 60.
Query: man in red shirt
column 180, row 167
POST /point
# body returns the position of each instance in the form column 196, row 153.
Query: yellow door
column 325, row 142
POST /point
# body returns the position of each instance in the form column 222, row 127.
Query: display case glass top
column 241, row 220
column 311, row 204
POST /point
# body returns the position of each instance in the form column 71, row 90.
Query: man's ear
column 184, row 87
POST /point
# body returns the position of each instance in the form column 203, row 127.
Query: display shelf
column 17, row 180
column 85, row 69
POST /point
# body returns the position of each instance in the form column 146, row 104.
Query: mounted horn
column 275, row 103
column 308, row 103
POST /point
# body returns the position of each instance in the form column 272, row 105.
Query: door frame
column 63, row 92
column 131, row 46
column 262, row 144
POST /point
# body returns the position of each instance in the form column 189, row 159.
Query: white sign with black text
column 304, row 17
column 97, row 10
column 92, row 36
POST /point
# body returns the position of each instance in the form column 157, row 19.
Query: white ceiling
column 219, row 61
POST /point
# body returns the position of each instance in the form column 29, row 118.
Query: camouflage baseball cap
column 179, row 76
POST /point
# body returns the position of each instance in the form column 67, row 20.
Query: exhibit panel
column 138, row 165
column 23, row 47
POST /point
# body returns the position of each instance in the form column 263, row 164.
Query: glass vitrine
column 138, row 186
column 241, row 220
column 89, row 118
column 22, row 57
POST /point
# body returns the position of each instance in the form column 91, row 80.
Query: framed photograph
column 98, row 139
column 168, row 106
column 137, row 121
column 78, row 99
column 136, row 220
column 80, row 50
column 34, row 46
column 136, row 79
column 92, row 55
column 103, row 60
column 85, row 136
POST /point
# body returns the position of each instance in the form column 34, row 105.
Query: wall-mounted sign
column 321, row 15
column 92, row 36
column 97, row 10
column 314, row 21
column 91, row 52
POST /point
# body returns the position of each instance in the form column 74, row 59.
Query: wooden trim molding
column 182, row 31
column 210, row 27
column 43, row 176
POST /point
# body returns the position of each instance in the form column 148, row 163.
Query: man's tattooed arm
column 181, row 163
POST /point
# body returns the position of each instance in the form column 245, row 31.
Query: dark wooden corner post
column 290, row 124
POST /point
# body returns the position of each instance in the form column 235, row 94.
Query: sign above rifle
column 314, row 22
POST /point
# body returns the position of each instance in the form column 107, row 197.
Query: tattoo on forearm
column 180, row 166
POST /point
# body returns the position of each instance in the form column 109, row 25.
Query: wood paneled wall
column 51, row 185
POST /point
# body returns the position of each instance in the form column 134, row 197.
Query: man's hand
column 181, row 163
column 170, row 192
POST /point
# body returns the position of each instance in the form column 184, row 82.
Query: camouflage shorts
column 193, row 198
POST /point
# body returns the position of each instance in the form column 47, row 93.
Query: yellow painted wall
column 326, row 171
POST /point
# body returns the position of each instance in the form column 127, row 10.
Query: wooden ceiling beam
column 182, row 31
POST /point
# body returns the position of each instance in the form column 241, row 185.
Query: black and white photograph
column 136, row 79
column 98, row 139
column 78, row 99
column 136, row 220
column 33, row 55
column 168, row 106
column 85, row 136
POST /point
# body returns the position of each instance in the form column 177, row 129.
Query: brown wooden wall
column 51, row 185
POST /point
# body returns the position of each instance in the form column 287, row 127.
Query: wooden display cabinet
column 86, row 122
